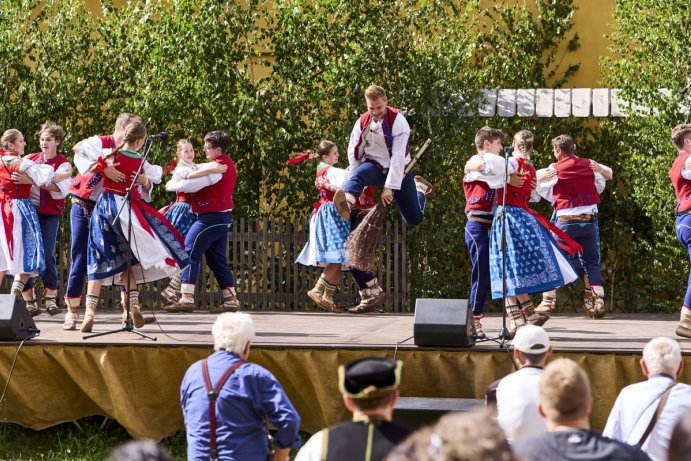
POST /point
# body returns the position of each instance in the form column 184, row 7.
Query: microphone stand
column 128, row 326
column 504, row 336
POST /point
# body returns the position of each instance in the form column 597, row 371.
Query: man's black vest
column 363, row 440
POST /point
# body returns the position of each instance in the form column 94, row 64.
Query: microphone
column 162, row 136
column 508, row 150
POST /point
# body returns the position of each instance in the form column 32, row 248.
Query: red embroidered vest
column 47, row 204
column 478, row 196
column 387, row 125
column 219, row 196
column 519, row 196
column 682, row 187
column 184, row 197
column 83, row 185
column 128, row 166
column 575, row 185
column 8, row 189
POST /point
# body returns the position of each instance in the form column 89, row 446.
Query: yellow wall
column 592, row 21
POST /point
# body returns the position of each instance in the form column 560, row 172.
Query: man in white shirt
column 573, row 186
column 637, row 403
column 378, row 153
column 518, row 392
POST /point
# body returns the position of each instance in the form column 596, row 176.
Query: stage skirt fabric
column 180, row 216
column 24, row 253
column 327, row 235
column 157, row 248
column 534, row 262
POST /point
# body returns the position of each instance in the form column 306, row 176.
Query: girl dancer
column 157, row 249
column 179, row 212
column 21, row 245
column 534, row 261
column 328, row 233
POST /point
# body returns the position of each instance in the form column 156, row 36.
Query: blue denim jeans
column 411, row 203
column 50, row 223
column 477, row 241
column 208, row 237
column 586, row 234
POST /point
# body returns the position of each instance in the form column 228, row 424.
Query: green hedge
column 280, row 76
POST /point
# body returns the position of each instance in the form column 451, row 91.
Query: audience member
column 645, row 413
column 370, row 390
column 473, row 436
column 517, row 393
column 565, row 404
column 140, row 450
column 229, row 423
column 680, row 443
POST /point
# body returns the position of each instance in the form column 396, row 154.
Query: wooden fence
column 262, row 256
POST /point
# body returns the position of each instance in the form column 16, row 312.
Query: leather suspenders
column 212, row 394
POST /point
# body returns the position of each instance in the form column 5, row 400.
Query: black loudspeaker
column 443, row 323
column 16, row 323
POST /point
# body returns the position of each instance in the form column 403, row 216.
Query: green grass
column 91, row 440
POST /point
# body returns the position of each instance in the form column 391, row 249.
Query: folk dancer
column 378, row 153
column 534, row 262
column 479, row 208
column 680, row 174
column 179, row 213
column 208, row 236
column 21, row 245
column 328, row 233
column 573, row 186
column 157, row 249
column 85, row 188
column 49, row 202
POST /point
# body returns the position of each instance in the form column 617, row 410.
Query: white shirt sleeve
column 686, row 174
column 312, row 449
column 64, row 185
column 182, row 170
column 90, row 150
column 613, row 426
column 493, row 172
column 336, row 176
column 355, row 136
column 193, row 185
column 600, row 180
column 40, row 174
column 400, row 131
column 545, row 188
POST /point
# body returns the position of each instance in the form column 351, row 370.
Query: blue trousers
column 208, row 237
column 79, row 225
column 683, row 226
column 411, row 203
column 477, row 241
column 587, row 234
column 361, row 278
column 50, row 223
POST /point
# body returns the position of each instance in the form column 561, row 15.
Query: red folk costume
column 21, row 246
column 157, row 248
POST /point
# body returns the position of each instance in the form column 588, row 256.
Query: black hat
column 369, row 378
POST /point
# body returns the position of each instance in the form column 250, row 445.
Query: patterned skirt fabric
column 180, row 216
column 24, row 253
column 328, row 233
column 534, row 262
column 157, row 248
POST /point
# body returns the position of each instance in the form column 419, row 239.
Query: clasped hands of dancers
column 33, row 190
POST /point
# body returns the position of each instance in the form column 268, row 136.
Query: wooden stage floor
column 569, row 332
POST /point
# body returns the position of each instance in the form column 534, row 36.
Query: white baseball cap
column 531, row 339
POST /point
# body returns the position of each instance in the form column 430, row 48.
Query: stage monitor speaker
column 443, row 323
column 16, row 323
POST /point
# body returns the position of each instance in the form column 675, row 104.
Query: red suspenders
column 212, row 393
